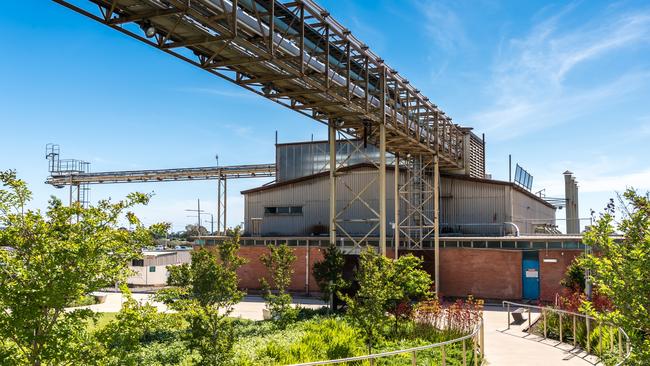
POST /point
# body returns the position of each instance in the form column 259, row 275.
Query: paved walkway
column 503, row 347
column 515, row 347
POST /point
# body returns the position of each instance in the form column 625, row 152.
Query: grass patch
column 101, row 321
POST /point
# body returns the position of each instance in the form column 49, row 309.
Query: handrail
column 477, row 335
column 621, row 332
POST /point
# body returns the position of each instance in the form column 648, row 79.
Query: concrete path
column 514, row 347
column 250, row 308
column 503, row 347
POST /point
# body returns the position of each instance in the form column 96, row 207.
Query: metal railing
column 622, row 342
column 478, row 345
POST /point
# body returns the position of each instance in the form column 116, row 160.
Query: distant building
column 151, row 270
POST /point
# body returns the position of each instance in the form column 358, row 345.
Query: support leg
column 396, row 200
column 382, row 189
column 332, row 146
column 436, row 222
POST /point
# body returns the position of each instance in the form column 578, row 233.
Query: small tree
column 574, row 276
column 621, row 271
column 279, row 262
column 54, row 258
column 206, row 296
column 367, row 308
column 179, row 275
column 410, row 283
column 329, row 273
column 385, row 286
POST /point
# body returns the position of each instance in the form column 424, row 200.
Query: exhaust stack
column 571, row 197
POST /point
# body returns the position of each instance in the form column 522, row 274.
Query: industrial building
column 296, row 204
column 395, row 170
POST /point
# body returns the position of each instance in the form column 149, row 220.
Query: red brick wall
column 552, row 273
column 251, row 272
column 483, row 273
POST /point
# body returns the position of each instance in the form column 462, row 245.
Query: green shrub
column 84, row 300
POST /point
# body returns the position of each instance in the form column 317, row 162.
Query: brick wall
column 251, row 272
column 483, row 273
column 552, row 272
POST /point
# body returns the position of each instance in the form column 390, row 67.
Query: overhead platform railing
column 296, row 54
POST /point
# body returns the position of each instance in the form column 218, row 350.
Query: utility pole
column 211, row 221
column 198, row 215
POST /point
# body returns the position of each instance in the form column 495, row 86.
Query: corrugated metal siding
column 467, row 207
column 527, row 212
column 472, row 207
column 313, row 196
column 303, row 159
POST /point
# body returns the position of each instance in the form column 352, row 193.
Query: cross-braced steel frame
column 417, row 196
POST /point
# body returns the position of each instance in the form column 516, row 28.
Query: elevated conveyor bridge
column 295, row 53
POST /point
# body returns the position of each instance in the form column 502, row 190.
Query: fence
column 478, row 345
column 622, row 342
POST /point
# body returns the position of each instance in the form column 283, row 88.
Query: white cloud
column 443, row 25
column 528, row 84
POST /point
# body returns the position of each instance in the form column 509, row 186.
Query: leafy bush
column 329, row 273
column 83, row 300
column 279, row 262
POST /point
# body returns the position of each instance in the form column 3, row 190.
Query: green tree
column 621, row 270
column 367, row 308
column 329, row 273
column 53, row 258
column 279, row 262
column 207, row 297
column 384, row 284
column 574, row 276
column 179, row 275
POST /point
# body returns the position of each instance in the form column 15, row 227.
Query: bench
column 517, row 315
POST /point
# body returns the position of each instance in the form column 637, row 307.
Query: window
column 152, row 268
column 283, row 210
column 137, row 263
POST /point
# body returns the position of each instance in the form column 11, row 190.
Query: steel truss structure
column 295, row 54
column 76, row 175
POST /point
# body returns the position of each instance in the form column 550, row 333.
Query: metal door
column 530, row 275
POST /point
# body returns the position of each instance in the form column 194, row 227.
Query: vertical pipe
column 508, row 316
column 307, row 258
column 436, row 222
column 509, row 168
column 219, row 206
column 382, row 168
column 396, row 205
column 414, row 358
column 382, row 165
column 332, row 146
column 225, row 205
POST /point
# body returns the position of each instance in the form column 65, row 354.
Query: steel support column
column 436, row 221
column 396, row 206
column 221, row 205
column 382, row 189
column 332, row 145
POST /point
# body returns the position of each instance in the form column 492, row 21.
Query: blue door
column 530, row 282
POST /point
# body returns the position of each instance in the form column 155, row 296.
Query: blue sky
column 559, row 86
